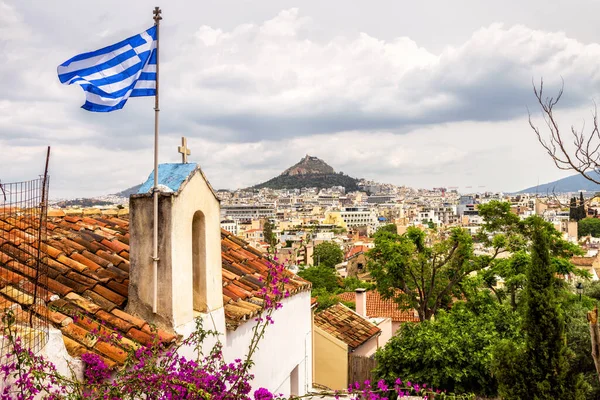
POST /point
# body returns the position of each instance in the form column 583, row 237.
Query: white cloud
column 255, row 97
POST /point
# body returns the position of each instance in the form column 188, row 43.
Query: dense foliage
column 268, row 234
column 321, row 277
column 328, row 254
column 504, row 232
column 518, row 329
column 577, row 211
column 589, row 226
column 422, row 272
column 539, row 367
column 454, row 351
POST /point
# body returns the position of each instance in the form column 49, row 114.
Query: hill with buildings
column 128, row 192
column 572, row 183
column 310, row 172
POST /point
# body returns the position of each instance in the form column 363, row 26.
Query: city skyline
column 441, row 103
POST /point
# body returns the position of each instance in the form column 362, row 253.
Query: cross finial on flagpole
column 183, row 149
column 157, row 16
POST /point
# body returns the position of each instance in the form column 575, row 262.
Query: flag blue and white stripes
column 111, row 75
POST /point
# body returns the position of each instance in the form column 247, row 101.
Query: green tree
column 326, row 299
column 352, row 283
column 328, row 254
column 420, row 275
column 589, row 226
column 392, row 228
column 539, row 368
column 453, row 351
column 581, row 208
column 268, row 234
column 573, row 214
column 504, row 231
column 321, row 277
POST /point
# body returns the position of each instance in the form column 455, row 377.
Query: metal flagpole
column 157, row 17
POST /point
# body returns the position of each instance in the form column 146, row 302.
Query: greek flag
column 111, row 75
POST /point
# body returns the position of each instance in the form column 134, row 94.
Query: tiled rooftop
column 380, row 307
column 355, row 251
column 346, row 325
column 583, row 261
column 243, row 267
column 88, row 274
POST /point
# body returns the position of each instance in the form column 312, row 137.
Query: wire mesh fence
column 23, row 268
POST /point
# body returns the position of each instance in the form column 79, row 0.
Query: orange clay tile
column 164, row 337
column 106, row 305
column 10, row 276
column 346, row 325
column 71, row 245
column 74, row 348
column 22, row 269
column 54, row 316
column 85, row 261
column 140, row 336
column 115, row 245
column 72, row 263
column 58, row 287
column 96, row 259
column 114, row 321
column 109, row 295
column 60, row 267
column 79, row 334
column 30, row 287
column 113, row 258
column 118, row 287
column 111, row 351
column 83, row 303
column 135, row 321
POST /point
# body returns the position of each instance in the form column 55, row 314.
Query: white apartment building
column 247, row 212
column 359, row 216
column 230, row 225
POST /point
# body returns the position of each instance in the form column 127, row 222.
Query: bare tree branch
column 584, row 157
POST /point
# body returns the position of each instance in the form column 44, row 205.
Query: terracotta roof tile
column 135, row 321
column 346, row 325
column 81, row 258
column 583, row 261
column 114, row 321
column 79, row 334
column 111, row 351
column 105, row 304
column 87, row 259
column 377, row 306
column 109, row 295
column 140, row 336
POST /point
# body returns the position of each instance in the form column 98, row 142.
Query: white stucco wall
column 387, row 332
column 287, row 344
column 368, row 348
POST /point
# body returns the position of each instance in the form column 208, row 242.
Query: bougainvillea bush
column 157, row 371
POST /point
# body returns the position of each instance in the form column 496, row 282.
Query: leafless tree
column 577, row 150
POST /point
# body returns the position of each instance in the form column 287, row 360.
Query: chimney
column 361, row 302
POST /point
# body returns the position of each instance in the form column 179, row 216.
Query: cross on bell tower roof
column 184, row 150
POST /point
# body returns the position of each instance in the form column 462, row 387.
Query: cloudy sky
column 425, row 94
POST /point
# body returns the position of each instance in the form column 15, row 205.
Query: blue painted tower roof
column 169, row 175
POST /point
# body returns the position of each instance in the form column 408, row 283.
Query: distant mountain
column 569, row 184
column 310, row 172
column 130, row 191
